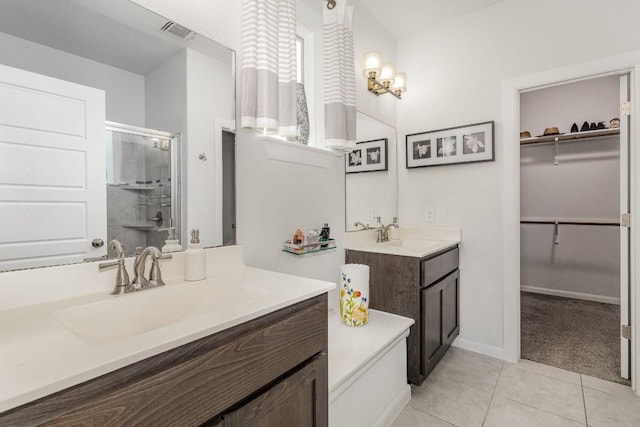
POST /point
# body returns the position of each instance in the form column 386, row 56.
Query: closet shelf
column 571, row 221
column 570, row 137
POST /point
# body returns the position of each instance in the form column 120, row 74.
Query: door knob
column 97, row 243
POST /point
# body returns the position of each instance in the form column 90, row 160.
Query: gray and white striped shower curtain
column 339, row 78
column 268, row 70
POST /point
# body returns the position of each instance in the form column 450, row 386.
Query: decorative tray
column 307, row 248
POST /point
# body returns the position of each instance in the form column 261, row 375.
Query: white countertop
column 40, row 356
column 417, row 242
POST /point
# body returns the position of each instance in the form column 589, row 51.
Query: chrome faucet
column 360, row 224
column 383, row 234
column 155, row 278
column 383, row 230
column 123, row 285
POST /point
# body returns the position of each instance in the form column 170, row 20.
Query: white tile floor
column 470, row 389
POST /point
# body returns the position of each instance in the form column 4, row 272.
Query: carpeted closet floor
column 580, row 336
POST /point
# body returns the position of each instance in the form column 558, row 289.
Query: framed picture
column 368, row 156
column 463, row 144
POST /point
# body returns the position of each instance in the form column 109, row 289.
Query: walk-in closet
column 574, row 249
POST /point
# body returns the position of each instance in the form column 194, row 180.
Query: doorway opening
column 228, row 188
column 574, row 252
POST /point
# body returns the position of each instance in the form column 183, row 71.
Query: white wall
column 275, row 198
column 209, row 97
column 166, row 95
column 456, row 72
column 124, row 90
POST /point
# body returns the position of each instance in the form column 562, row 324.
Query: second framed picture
column 463, row 144
column 368, row 156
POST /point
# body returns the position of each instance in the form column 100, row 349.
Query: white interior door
column 625, row 318
column 52, row 170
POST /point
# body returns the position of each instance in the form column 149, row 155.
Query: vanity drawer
column 194, row 383
column 434, row 269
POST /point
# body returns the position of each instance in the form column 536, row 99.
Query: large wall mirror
column 115, row 123
column 372, row 194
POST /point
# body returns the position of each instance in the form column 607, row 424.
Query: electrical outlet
column 429, row 214
column 370, row 214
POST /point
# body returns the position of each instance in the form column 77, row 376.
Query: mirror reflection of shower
column 142, row 188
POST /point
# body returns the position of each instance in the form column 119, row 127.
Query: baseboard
column 392, row 412
column 569, row 294
column 486, row 349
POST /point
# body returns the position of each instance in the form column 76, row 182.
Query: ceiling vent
column 178, row 31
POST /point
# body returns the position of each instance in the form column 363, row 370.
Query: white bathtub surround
column 413, row 241
column 41, row 356
column 368, row 370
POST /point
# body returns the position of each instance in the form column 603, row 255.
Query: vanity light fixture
column 382, row 78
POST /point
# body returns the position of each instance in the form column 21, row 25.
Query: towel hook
column 331, row 4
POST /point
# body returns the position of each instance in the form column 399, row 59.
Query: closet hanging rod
column 575, row 221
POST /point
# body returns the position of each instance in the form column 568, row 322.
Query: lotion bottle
column 195, row 264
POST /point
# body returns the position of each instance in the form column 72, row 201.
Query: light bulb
column 387, row 73
column 399, row 83
column 372, row 61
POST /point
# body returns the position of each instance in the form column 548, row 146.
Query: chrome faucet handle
column 378, row 220
column 155, row 277
column 123, row 285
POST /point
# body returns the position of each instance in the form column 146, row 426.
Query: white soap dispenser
column 195, row 262
column 171, row 244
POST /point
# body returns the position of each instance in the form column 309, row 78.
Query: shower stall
column 143, row 186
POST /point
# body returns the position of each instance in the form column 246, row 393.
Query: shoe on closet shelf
column 601, row 125
column 593, row 126
column 574, row 128
column 585, row 127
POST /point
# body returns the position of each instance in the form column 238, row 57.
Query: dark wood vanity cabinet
column 424, row 289
column 268, row 371
column 291, row 402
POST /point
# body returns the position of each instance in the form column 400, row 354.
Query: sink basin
column 124, row 316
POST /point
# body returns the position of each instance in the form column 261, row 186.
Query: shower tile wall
column 123, row 209
column 158, row 172
column 140, row 164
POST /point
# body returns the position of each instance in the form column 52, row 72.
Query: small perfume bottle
column 325, row 234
